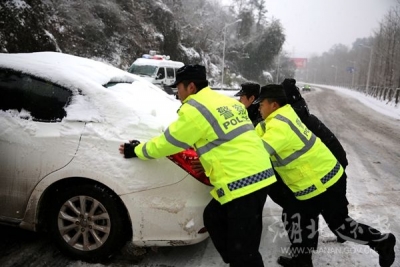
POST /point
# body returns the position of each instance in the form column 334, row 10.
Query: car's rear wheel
column 87, row 222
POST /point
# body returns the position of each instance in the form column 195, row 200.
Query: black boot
column 385, row 249
column 296, row 261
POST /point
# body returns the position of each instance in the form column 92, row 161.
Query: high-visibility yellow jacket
column 218, row 128
column 305, row 164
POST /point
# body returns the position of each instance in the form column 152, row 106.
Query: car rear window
column 44, row 100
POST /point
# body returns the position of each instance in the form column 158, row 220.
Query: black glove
column 129, row 149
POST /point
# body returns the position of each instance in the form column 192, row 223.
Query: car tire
column 87, row 222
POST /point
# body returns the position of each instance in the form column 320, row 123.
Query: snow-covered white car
column 62, row 119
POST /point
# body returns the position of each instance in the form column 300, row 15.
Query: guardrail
column 388, row 94
column 385, row 93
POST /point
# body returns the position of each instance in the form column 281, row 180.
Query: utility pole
column 277, row 72
column 369, row 65
column 315, row 76
column 352, row 72
column 333, row 66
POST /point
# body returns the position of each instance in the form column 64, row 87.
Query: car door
column 34, row 139
column 160, row 76
column 170, row 79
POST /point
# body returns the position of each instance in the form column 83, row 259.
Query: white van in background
column 157, row 69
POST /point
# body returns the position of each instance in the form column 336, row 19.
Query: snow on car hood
column 129, row 101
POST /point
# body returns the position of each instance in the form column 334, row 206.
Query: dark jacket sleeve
column 254, row 114
column 301, row 109
column 327, row 137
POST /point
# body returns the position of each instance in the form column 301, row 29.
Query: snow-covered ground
column 384, row 107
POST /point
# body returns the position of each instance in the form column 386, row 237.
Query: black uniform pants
column 235, row 228
column 302, row 222
column 284, row 197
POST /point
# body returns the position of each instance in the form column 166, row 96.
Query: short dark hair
column 200, row 84
column 281, row 101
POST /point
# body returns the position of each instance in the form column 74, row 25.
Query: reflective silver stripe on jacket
column 221, row 136
column 252, row 179
column 144, row 151
column 175, row 141
column 308, row 144
column 170, row 139
column 324, row 180
column 270, row 149
column 263, row 126
column 267, row 147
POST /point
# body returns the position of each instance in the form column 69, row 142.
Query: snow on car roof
column 59, row 68
column 155, row 62
column 133, row 101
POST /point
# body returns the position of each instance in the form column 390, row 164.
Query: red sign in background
column 300, row 62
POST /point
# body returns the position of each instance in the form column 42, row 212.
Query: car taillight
column 183, row 159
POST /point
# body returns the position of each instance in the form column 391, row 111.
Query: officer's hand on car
column 128, row 149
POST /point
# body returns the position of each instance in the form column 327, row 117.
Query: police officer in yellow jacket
column 314, row 176
column 233, row 157
column 248, row 93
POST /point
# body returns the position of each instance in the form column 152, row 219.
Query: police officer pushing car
column 222, row 134
column 247, row 95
